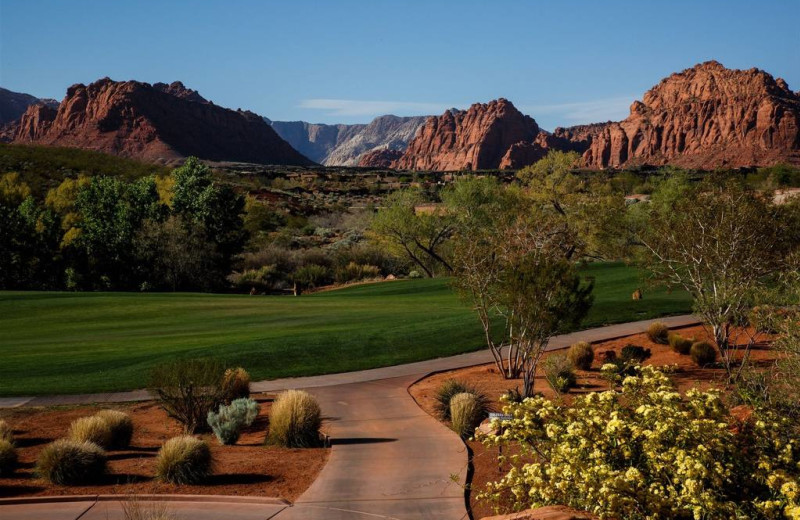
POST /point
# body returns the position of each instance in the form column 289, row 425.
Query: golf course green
column 58, row 342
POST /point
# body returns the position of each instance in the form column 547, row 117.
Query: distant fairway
column 54, row 343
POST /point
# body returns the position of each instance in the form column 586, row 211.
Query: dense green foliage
column 92, row 342
column 45, row 167
column 109, row 233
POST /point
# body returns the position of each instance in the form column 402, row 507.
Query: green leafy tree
column 217, row 209
column 418, row 235
column 111, row 213
column 723, row 243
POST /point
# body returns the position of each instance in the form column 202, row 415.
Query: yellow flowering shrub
column 646, row 452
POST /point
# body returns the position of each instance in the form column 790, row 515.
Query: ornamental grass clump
column 227, row 423
column 581, row 354
column 8, row 458
column 680, row 344
column 91, row 429
column 235, row 384
column 121, row 426
column 559, row 373
column 703, row 354
column 647, row 452
column 658, row 333
column 452, row 387
column 69, row 462
column 184, row 460
column 6, row 433
column 467, row 412
column 295, row 420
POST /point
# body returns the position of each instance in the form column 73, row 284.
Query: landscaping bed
column 486, row 378
column 247, row 468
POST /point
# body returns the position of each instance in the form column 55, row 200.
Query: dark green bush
column 680, row 344
column 658, row 333
column 703, row 354
column 8, row 458
column 66, row 462
column 451, row 387
column 184, row 460
column 581, row 354
column 634, row 354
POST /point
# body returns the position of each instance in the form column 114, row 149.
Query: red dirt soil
column 247, row 468
column 486, row 377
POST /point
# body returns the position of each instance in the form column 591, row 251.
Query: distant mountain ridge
column 158, row 123
column 343, row 145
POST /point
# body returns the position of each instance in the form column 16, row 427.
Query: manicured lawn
column 93, row 342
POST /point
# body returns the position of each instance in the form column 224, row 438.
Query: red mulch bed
column 486, row 377
column 247, row 468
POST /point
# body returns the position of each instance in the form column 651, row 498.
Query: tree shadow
column 360, row 440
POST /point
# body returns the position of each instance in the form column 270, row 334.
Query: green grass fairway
column 53, row 343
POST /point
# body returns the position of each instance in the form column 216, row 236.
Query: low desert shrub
column 6, row 433
column 8, row 458
column 658, row 333
column 581, row 354
column 121, row 427
column 235, row 384
column 228, row 422
column 634, row 354
column 680, row 344
column 295, row 420
column 91, row 429
column 645, row 452
column 451, row 387
column 188, row 389
column 703, row 354
column 559, row 373
column 184, row 460
column 67, row 462
column 467, row 412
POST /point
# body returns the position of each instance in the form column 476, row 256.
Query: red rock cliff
column 473, row 139
column 155, row 123
column 705, row 117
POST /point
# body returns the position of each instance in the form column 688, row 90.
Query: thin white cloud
column 353, row 107
column 600, row 110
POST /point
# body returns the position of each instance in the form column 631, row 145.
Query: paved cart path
column 388, row 459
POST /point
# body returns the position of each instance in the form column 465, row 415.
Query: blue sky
column 344, row 61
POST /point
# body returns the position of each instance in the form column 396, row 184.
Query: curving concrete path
column 388, row 459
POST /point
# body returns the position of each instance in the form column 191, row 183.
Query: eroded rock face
column 475, row 139
column 382, row 158
column 705, row 117
column 14, row 104
column 158, row 122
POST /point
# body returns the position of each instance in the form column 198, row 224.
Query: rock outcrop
column 14, row 104
column 161, row 123
column 707, row 117
column 474, row 139
column 343, row 145
column 382, row 158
